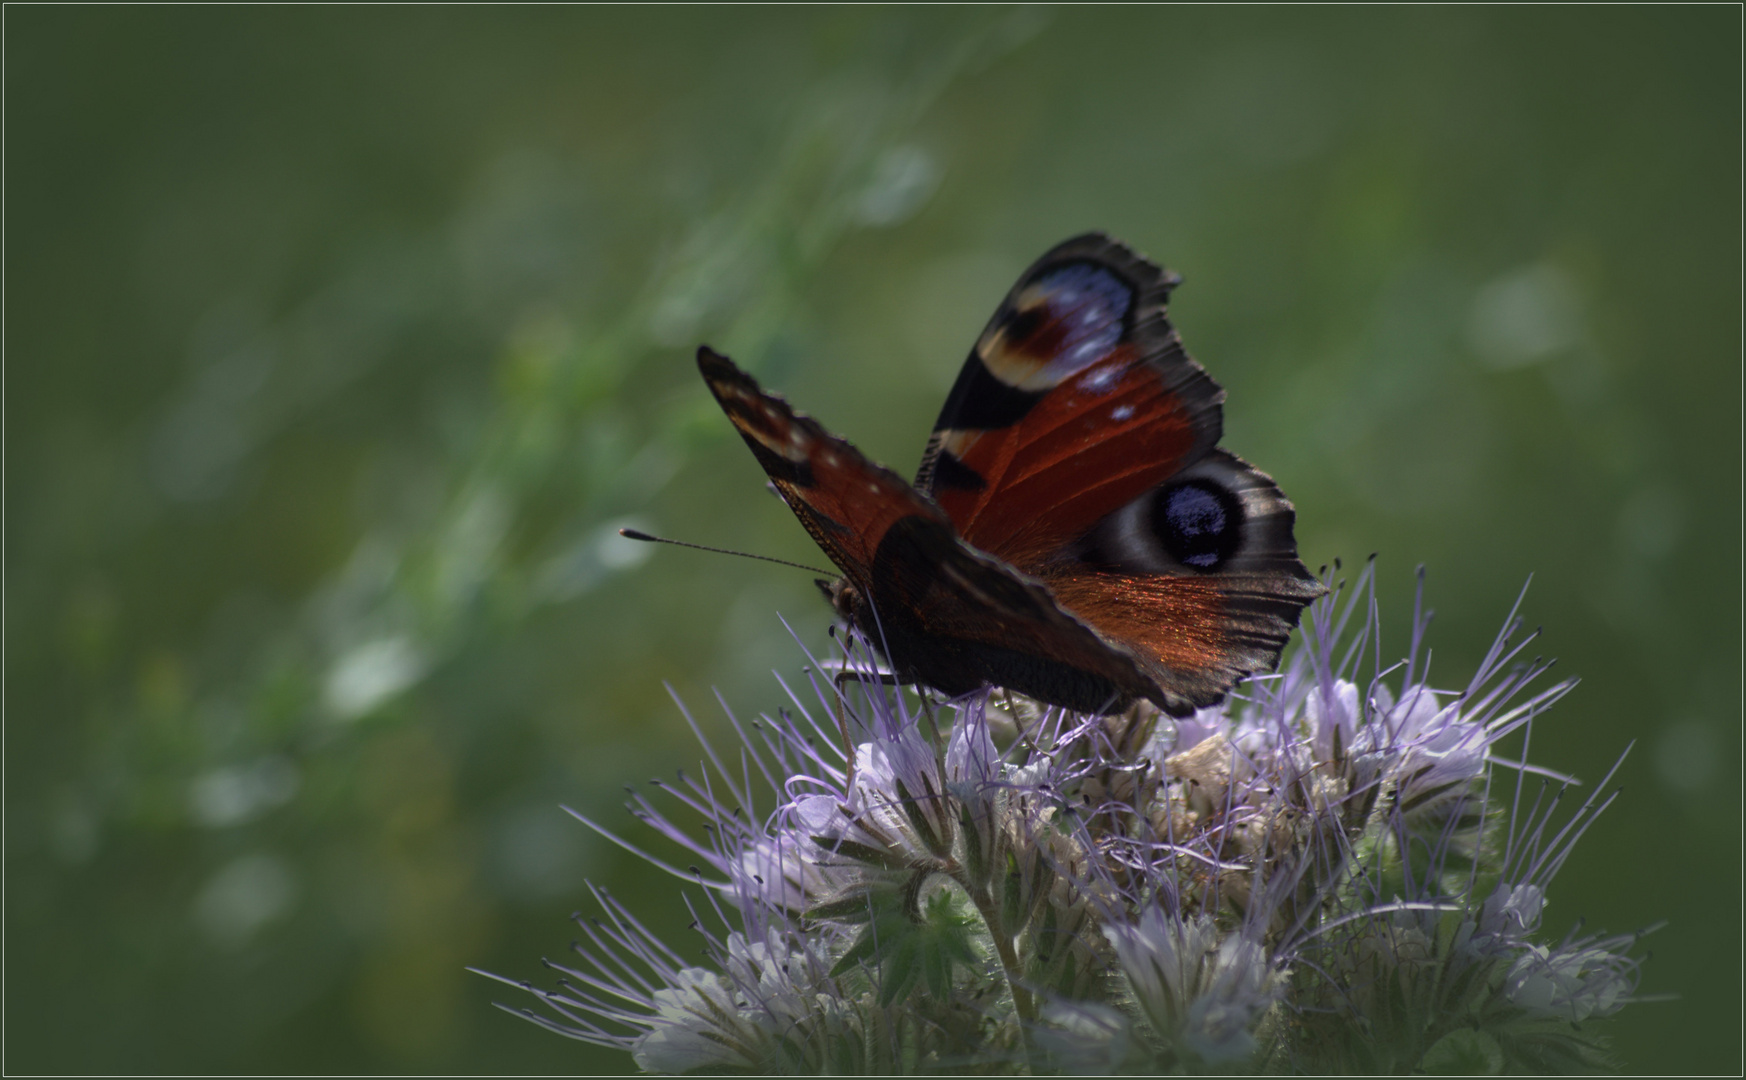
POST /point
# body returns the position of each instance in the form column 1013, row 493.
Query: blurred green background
column 340, row 340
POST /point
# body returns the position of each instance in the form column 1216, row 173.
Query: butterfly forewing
column 1077, row 399
column 846, row 501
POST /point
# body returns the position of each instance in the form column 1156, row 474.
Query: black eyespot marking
column 1199, row 523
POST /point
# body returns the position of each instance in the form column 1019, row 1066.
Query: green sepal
column 919, row 821
column 861, row 853
column 1430, row 795
column 855, row 905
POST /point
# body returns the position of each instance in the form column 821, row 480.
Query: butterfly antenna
column 637, row 534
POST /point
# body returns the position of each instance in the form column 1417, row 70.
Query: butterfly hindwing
column 954, row 618
column 1198, row 579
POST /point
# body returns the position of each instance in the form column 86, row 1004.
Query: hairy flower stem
column 1021, row 997
column 1022, row 1002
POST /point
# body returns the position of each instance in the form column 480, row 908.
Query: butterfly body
column 1074, row 533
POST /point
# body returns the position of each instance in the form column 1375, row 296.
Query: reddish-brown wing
column 1198, row 610
column 1077, row 399
column 846, row 502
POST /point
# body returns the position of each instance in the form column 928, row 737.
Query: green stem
column 1022, row 1002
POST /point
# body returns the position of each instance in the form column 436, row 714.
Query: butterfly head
column 845, row 598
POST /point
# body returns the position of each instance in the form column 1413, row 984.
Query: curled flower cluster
column 1320, row 875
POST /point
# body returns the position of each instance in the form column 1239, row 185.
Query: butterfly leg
column 842, row 679
column 873, row 678
column 867, row 680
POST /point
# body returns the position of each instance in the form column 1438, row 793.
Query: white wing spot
column 1121, row 412
column 1099, row 380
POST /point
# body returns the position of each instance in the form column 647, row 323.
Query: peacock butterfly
column 1075, row 534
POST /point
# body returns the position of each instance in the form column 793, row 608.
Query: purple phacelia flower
column 1333, row 871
